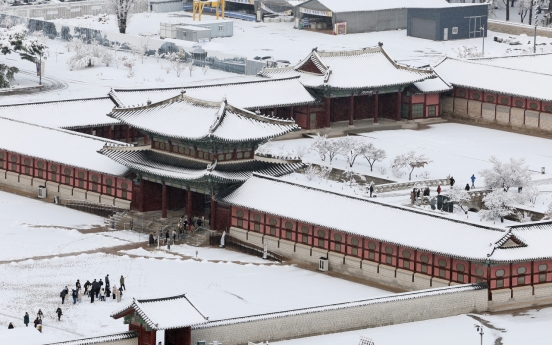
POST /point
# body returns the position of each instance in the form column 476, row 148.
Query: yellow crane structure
column 198, row 5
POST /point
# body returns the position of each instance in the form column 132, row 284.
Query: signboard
column 285, row 13
column 315, row 12
column 340, row 28
column 249, row 2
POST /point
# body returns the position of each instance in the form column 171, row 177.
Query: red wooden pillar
column 291, row 113
column 213, row 221
column 410, row 108
column 275, row 112
column 189, row 204
column 328, row 112
column 128, row 134
column 351, row 110
column 110, row 132
column 376, row 106
column 399, row 104
column 164, row 201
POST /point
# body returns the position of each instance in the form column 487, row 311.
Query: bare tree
column 373, row 155
column 191, row 67
column 351, row 148
column 410, row 160
column 123, row 10
column 523, row 8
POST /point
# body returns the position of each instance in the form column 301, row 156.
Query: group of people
column 184, row 225
column 96, row 289
column 415, row 194
column 37, row 321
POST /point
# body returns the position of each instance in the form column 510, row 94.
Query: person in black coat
column 452, row 180
column 371, row 189
column 64, row 293
column 10, row 326
column 199, row 222
column 467, row 188
column 74, row 294
column 87, row 287
column 78, row 284
column 59, row 313
column 100, row 284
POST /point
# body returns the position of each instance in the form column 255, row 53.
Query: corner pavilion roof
column 367, row 68
column 394, row 224
column 190, row 119
column 165, row 166
column 164, row 313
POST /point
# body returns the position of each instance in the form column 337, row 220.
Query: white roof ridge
column 494, row 66
column 89, row 136
column 494, row 57
column 57, row 101
column 399, row 207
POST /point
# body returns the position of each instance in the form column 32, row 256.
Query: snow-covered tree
column 459, row 196
column 108, row 58
column 351, row 177
column 86, row 55
column 141, row 49
column 548, row 213
column 506, row 175
column 410, row 160
column 467, row 52
column 191, row 67
column 325, row 172
column 205, row 68
column 123, row 10
column 523, row 8
column 176, row 60
column 499, row 205
column 321, row 146
column 7, row 75
column 373, row 155
column 335, row 148
column 116, row 46
column 158, row 56
column 128, row 62
column 76, row 44
column 529, row 193
column 351, row 148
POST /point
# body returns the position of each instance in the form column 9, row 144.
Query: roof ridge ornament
column 211, row 166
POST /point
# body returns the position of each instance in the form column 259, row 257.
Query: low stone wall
column 375, row 312
column 518, row 119
column 30, row 184
column 126, row 338
column 517, row 28
column 521, row 297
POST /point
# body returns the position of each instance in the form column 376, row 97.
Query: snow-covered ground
column 286, row 43
column 96, row 81
column 528, row 327
column 455, row 149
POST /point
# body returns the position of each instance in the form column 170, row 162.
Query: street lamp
column 483, row 35
column 479, row 329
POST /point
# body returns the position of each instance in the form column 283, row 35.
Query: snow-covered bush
column 191, row 67
column 205, row 69
column 459, row 196
column 506, row 175
column 108, row 57
column 548, row 213
column 311, row 172
column 411, row 161
column 320, row 146
column 467, row 52
column 128, row 62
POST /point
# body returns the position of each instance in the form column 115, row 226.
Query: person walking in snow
column 167, row 236
column 467, row 188
column 26, row 319
column 10, row 326
column 39, row 315
column 371, row 189
column 74, row 294
column 78, row 284
column 199, row 222
column 174, row 236
column 473, row 180
column 59, row 313
column 151, row 239
column 64, row 293
column 452, row 180
column 122, row 283
column 36, row 322
column 102, row 294
column 100, row 285
column 87, row 287
column 114, row 292
column 107, row 281
column 79, row 295
column 438, row 189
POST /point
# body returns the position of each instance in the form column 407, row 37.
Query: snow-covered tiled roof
column 280, row 72
column 392, row 224
column 188, row 118
column 179, row 168
column 63, row 114
column 136, row 97
column 526, row 62
column 103, row 339
column 433, row 85
column 265, row 93
column 337, row 6
column 59, row 145
column 366, row 68
column 165, row 313
column 376, row 300
column 473, row 74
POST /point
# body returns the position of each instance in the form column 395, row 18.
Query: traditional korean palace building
column 195, row 148
column 364, row 84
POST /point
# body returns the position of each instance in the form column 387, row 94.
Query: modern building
column 161, row 6
column 197, row 31
column 358, row 15
column 448, row 22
